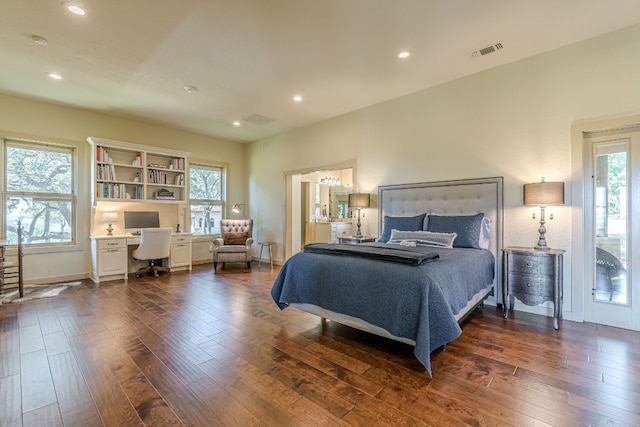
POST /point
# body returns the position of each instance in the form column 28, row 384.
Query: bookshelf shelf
column 124, row 171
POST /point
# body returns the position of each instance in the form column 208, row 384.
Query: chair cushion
column 235, row 238
column 230, row 249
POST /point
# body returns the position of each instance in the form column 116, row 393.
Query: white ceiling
column 132, row 58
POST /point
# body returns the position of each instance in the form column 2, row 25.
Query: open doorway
column 316, row 201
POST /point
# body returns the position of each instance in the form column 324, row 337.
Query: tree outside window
column 205, row 198
column 39, row 192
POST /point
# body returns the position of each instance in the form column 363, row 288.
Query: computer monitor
column 135, row 220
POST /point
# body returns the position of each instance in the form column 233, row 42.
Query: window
column 205, row 198
column 39, row 192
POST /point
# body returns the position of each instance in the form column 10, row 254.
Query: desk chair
column 155, row 244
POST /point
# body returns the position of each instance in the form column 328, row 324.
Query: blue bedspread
column 414, row 302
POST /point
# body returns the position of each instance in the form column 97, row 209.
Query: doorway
column 612, row 233
column 308, row 199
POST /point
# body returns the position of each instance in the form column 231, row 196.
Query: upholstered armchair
column 234, row 243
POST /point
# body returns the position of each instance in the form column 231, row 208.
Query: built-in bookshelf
column 131, row 172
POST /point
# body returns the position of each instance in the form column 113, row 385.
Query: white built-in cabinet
column 180, row 252
column 329, row 232
column 132, row 172
column 108, row 258
column 111, row 258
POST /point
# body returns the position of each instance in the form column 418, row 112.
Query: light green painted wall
column 512, row 121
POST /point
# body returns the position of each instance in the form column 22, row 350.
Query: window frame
column 211, row 202
column 71, row 197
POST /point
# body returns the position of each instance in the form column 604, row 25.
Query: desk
column 111, row 255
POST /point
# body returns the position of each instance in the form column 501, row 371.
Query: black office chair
column 608, row 267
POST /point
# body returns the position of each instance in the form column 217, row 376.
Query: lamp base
column 358, row 233
column 109, row 230
column 542, row 241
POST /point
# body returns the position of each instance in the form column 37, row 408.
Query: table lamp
column 359, row 201
column 109, row 218
column 543, row 194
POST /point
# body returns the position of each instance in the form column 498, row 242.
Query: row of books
column 107, row 190
column 176, row 164
column 102, row 156
column 159, row 177
column 106, row 172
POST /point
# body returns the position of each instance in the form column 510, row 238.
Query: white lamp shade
column 359, row 200
column 109, row 217
column 543, row 193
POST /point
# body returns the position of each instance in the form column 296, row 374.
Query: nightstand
column 534, row 277
column 353, row 240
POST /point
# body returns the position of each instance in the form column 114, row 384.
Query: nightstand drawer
column 530, row 264
column 530, row 284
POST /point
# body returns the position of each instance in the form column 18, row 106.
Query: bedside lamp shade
column 109, row 218
column 543, row 194
column 359, row 201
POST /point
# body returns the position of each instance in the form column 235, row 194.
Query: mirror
column 339, row 201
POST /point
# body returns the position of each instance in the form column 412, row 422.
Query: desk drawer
column 112, row 243
column 181, row 239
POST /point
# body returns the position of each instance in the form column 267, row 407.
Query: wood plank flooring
column 205, row 350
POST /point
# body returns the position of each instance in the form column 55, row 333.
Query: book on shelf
column 164, row 194
column 177, row 164
column 106, row 172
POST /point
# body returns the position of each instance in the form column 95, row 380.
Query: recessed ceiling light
column 54, row 76
column 190, row 88
column 297, row 98
column 404, row 54
column 73, row 8
column 41, row 41
column 236, row 123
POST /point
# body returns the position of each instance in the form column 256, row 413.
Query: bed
column 413, row 287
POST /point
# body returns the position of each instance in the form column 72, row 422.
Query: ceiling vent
column 258, row 119
column 487, row 50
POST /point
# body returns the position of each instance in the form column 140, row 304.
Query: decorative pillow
column 485, row 233
column 404, row 223
column 236, row 238
column 423, row 238
column 466, row 227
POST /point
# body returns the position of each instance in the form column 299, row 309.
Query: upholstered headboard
column 459, row 197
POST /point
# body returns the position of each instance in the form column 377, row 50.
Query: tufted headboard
column 458, row 197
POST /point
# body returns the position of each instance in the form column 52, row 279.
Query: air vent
column 258, row 119
column 487, row 50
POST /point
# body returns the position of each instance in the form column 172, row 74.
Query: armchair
column 234, row 243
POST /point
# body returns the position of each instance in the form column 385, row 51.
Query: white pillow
column 423, row 238
column 485, row 233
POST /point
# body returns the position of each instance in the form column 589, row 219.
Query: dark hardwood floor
column 203, row 349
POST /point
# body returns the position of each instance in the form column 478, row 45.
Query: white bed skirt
column 360, row 324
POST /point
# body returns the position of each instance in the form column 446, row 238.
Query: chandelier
column 329, row 180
